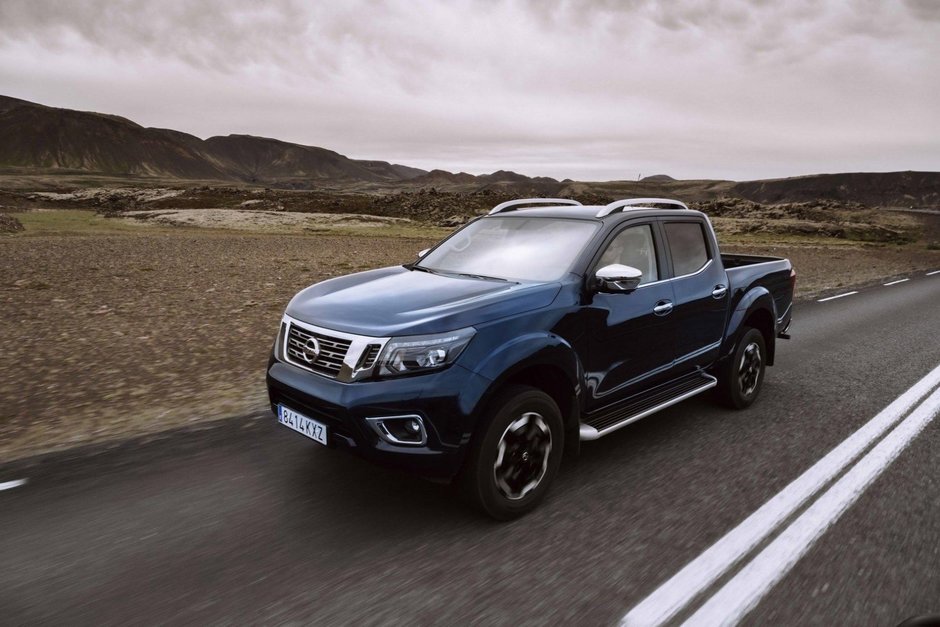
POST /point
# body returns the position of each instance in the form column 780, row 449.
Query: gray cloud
column 580, row 88
column 924, row 9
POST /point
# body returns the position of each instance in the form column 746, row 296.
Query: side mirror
column 618, row 278
column 423, row 252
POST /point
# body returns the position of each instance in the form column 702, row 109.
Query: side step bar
column 648, row 403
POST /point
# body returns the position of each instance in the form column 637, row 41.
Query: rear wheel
column 741, row 378
column 516, row 460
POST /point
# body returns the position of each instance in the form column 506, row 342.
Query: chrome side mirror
column 423, row 252
column 618, row 278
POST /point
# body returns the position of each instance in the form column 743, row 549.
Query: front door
column 633, row 334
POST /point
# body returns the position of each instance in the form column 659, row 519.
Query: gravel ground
column 111, row 336
column 120, row 334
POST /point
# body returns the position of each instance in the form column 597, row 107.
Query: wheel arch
column 755, row 310
column 762, row 320
column 547, row 363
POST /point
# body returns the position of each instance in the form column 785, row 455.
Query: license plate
column 301, row 424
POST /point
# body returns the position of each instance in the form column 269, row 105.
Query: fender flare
column 755, row 299
column 521, row 353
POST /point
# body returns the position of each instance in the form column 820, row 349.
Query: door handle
column 719, row 291
column 662, row 308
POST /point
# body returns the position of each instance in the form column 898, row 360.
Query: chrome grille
column 331, row 355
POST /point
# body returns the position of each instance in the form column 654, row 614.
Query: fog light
column 400, row 430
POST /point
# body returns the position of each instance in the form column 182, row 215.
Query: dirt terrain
column 140, row 322
column 115, row 334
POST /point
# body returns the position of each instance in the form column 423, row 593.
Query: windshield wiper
column 423, row 269
column 483, row 276
column 463, row 274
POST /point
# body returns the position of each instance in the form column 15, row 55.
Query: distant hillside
column 887, row 189
column 259, row 159
column 391, row 171
column 443, row 177
column 45, row 138
column 36, row 141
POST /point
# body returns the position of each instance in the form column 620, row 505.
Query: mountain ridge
column 37, row 139
column 37, row 136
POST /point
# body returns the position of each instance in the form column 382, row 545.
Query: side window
column 687, row 245
column 634, row 247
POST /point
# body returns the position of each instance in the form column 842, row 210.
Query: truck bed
column 773, row 273
column 737, row 261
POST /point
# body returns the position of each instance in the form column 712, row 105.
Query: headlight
column 415, row 353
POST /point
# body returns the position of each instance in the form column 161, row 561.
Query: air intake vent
column 369, row 356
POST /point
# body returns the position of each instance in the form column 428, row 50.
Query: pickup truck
column 529, row 330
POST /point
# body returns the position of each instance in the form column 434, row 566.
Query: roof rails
column 630, row 202
column 513, row 204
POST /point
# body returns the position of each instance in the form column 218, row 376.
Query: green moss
column 75, row 222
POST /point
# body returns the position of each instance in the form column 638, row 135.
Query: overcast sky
column 591, row 90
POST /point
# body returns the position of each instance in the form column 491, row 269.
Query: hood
column 398, row 301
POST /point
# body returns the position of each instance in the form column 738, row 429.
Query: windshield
column 512, row 248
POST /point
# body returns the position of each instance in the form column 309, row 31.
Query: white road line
column 676, row 593
column 737, row 597
column 9, row 485
column 822, row 300
column 896, row 282
column 933, row 273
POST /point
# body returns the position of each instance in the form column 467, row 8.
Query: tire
column 515, row 462
column 740, row 380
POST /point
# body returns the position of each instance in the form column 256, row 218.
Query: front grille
column 332, row 351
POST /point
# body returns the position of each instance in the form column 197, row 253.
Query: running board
column 649, row 403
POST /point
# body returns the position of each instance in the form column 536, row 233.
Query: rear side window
column 687, row 245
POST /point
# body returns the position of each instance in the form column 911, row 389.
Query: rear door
column 701, row 292
column 632, row 335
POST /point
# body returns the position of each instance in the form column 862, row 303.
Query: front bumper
column 446, row 400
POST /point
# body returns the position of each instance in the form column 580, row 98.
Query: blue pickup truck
column 544, row 324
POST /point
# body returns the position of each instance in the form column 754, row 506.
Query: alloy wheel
column 749, row 369
column 522, row 455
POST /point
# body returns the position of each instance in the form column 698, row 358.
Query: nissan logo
column 311, row 350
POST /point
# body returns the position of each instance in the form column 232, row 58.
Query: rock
column 9, row 224
column 453, row 221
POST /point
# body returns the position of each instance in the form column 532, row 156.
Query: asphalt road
column 260, row 525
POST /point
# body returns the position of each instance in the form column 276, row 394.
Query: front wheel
column 516, row 460
column 740, row 379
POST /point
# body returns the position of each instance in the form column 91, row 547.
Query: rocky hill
column 259, row 159
column 36, row 140
column 46, row 138
column 886, row 189
column 41, row 138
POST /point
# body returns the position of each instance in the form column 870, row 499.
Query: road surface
column 260, row 525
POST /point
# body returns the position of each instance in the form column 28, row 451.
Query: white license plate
column 301, row 424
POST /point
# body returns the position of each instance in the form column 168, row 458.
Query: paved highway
column 819, row 505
